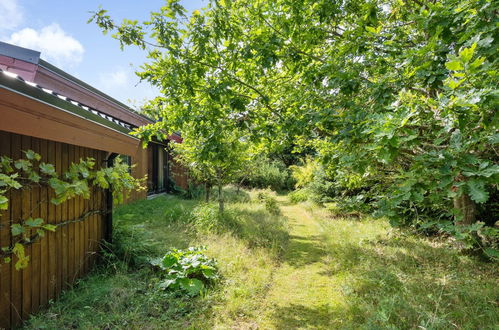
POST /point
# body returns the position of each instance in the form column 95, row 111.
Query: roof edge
column 19, row 53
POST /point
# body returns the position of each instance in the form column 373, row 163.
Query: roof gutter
column 29, row 90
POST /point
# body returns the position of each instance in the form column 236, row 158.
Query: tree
column 406, row 90
column 213, row 160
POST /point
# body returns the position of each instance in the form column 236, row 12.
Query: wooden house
column 47, row 110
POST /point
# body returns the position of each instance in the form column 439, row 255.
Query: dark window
column 158, row 168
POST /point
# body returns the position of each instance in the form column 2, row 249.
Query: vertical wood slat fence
column 60, row 257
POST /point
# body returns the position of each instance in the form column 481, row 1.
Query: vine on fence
column 77, row 181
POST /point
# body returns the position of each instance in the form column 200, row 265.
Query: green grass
column 304, row 268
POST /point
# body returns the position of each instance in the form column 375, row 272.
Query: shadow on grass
column 304, row 250
column 299, row 316
column 410, row 283
column 258, row 228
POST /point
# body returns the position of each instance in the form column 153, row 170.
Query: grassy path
column 348, row 273
column 301, row 293
column 334, row 273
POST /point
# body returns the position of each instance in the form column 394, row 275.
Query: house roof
column 28, row 64
column 17, row 84
column 47, row 83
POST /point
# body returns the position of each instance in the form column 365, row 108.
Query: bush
column 187, row 271
column 305, row 174
column 194, row 191
column 269, row 201
column 298, row 196
column 476, row 237
column 265, row 173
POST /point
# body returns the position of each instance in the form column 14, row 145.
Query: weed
column 187, row 271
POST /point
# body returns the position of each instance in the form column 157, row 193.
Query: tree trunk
column 220, row 192
column 207, row 189
column 467, row 210
column 220, row 198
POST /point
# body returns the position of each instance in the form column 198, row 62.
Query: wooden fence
column 60, row 257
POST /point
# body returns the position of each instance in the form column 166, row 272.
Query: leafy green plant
column 269, row 201
column 304, row 174
column 264, row 173
column 193, row 191
column 188, row 271
column 299, row 195
column 475, row 237
column 76, row 181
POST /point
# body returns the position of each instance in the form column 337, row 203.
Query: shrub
column 194, row 191
column 271, row 205
column 476, row 237
column 300, row 195
column 269, row 201
column 305, row 174
column 264, row 173
column 187, row 271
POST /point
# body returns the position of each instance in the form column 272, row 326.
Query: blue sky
column 59, row 29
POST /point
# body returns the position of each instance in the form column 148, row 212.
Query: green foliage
column 299, row 195
column 75, row 182
column 269, row 201
column 397, row 99
column 194, row 191
column 475, row 237
column 305, row 174
column 265, row 173
column 188, row 271
column 206, row 218
column 123, row 289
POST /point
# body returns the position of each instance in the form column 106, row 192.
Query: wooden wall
column 179, row 174
column 139, row 170
column 59, row 258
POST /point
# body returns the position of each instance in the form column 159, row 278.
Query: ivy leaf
column 23, row 164
column 47, row 169
column 33, row 176
column 22, row 263
column 49, row 227
column 31, row 155
column 478, row 193
column 16, row 229
column 4, row 202
column 34, row 222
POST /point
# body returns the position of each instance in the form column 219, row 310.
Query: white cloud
column 124, row 85
column 11, row 14
column 52, row 41
column 115, row 79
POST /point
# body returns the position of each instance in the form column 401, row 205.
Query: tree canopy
column 401, row 94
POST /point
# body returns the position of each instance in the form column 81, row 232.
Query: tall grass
column 121, row 291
